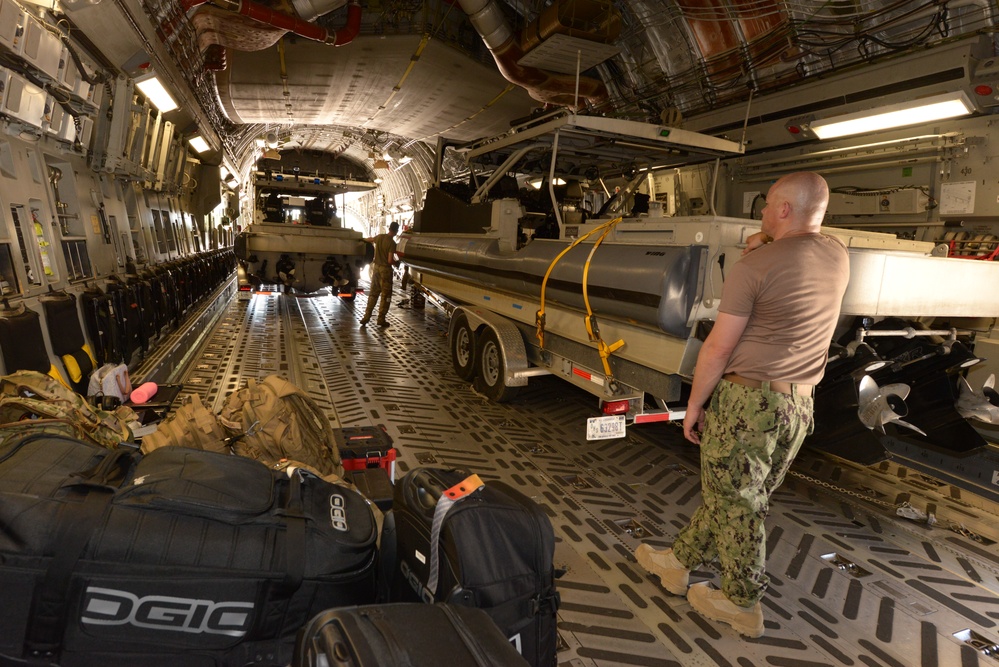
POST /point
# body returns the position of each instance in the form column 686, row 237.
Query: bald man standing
column 751, row 400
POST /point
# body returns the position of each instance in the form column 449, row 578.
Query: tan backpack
column 189, row 425
column 273, row 420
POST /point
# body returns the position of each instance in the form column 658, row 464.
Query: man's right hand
column 693, row 424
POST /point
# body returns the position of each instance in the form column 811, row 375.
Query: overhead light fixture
column 155, row 92
column 199, row 144
column 378, row 179
column 914, row 112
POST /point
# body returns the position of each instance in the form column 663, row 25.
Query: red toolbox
column 363, row 447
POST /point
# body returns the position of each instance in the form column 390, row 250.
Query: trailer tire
column 491, row 365
column 463, row 348
column 347, row 292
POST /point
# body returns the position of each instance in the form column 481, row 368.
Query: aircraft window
column 77, row 259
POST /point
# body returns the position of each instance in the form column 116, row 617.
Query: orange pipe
column 305, row 29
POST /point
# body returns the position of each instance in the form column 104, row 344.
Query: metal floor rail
column 853, row 582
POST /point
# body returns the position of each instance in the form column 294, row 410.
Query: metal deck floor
column 853, row 583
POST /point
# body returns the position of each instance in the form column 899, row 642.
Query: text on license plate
column 605, row 428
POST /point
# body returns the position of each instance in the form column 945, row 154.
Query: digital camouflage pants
column 750, row 438
column 381, row 290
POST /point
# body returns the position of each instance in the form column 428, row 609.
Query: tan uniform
column 381, row 278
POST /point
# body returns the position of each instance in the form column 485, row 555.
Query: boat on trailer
column 619, row 301
column 304, row 253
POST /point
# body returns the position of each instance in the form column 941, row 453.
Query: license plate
column 605, row 428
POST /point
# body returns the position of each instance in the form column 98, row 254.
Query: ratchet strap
column 592, row 329
column 540, row 317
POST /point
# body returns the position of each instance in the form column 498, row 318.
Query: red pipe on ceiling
column 264, row 14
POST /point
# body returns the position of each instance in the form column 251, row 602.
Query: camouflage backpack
column 190, row 425
column 273, row 420
column 35, row 402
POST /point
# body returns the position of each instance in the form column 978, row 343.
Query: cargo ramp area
column 870, row 566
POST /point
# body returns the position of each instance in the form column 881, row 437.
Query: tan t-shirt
column 791, row 290
column 384, row 249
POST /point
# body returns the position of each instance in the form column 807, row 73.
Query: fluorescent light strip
column 926, row 110
column 198, row 143
column 156, row 93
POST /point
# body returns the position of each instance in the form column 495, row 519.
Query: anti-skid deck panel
column 852, row 583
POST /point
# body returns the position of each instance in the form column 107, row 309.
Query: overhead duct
column 589, row 23
column 281, row 23
column 222, row 29
column 551, row 88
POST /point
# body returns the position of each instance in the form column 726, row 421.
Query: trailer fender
column 511, row 342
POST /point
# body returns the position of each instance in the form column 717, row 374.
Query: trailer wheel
column 492, row 369
column 463, row 348
column 347, row 292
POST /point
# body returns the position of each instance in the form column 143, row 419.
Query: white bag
column 110, row 380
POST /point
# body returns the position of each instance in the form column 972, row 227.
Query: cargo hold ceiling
column 464, row 69
column 305, row 82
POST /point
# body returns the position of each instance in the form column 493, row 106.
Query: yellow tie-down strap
column 592, row 329
column 590, row 321
column 603, row 229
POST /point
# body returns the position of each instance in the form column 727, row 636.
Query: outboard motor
column 333, row 272
column 285, row 268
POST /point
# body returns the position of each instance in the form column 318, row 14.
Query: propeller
column 982, row 405
column 883, row 405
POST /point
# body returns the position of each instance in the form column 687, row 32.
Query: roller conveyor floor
column 869, row 566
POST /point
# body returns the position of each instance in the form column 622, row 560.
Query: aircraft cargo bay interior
column 566, row 333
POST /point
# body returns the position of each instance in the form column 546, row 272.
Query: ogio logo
column 338, row 513
column 425, row 594
column 415, row 583
column 106, row 606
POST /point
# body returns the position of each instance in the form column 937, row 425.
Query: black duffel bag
column 181, row 557
column 494, row 551
column 411, row 634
